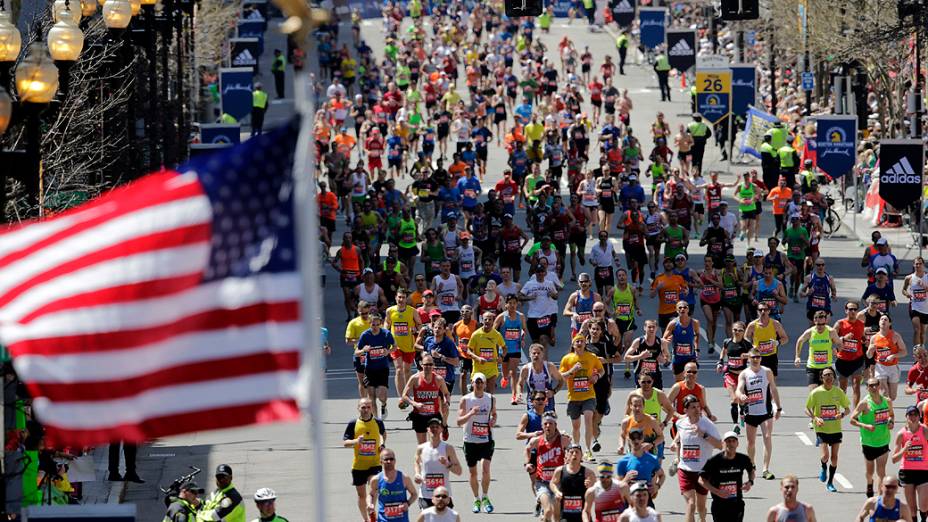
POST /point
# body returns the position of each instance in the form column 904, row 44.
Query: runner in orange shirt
column 671, row 287
column 462, row 330
column 781, row 195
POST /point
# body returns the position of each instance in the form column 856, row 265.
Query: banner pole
column 856, row 206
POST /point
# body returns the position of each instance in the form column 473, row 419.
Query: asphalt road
column 278, row 456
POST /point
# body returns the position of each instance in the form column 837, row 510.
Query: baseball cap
column 368, row 270
column 574, row 446
column 882, row 241
column 507, row 216
column 639, row 486
column 223, row 469
column 427, row 292
column 192, row 486
column 911, row 409
column 633, row 178
column 465, row 235
column 434, row 420
column 882, row 270
column 605, row 468
column 758, row 253
column 793, row 216
column 679, row 256
column 479, row 377
column 723, row 202
column 729, row 435
column 434, row 313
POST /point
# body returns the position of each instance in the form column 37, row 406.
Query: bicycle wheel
column 832, row 222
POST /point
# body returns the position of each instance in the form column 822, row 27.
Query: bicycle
column 831, row 221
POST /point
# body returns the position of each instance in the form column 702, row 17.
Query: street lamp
column 136, row 6
column 11, row 42
column 36, row 76
column 88, row 7
column 62, row 9
column 117, row 14
column 6, row 110
column 65, row 42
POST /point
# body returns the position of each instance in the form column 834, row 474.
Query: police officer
column 185, row 504
column 769, row 161
column 701, row 134
column 277, row 68
column 225, row 503
column 662, row 68
column 621, row 43
column 264, row 500
column 789, row 163
column 258, row 108
column 808, row 175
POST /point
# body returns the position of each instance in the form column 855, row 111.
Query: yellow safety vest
column 259, row 99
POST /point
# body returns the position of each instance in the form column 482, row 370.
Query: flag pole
column 301, row 21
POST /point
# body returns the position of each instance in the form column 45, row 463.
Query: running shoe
column 503, row 383
column 831, row 488
column 673, row 468
column 537, row 509
column 711, row 349
column 869, row 490
column 476, row 508
column 444, row 432
column 487, row 505
column 737, row 429
column 588, row 456
column 767, row 475
column 596, row 446
column 823, row 476
column 628, row 374
column 514, row 401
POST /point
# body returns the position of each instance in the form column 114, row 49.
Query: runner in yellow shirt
column 581, row 369
column 403, row 322
column 484, row 349
column 353, row 332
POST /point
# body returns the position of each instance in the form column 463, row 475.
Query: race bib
column 710, row 292
column 394, row 509
column 730, row 292
column 850, row 346
column 795, row 249
column 512, row 245
column 820, row 357
column 881, row 306
column 919, row 296
column 467, row 266
column 881, row 416
column 513, row 334
column 735, row 363
column 767, row 347
column 543, row 322
column 441, row 372
column 818, row 301
column 771, row 304
column 470, row 193
column 607, row 194
column 915, row 453
column 729, row 489
column 828, row 412
column 716, row 248
column 589, row 197
column 648, row 366
column 691, row 452
column 755, row 397
column 583, row 316
column 377, row 353
column 634, row 239
column 581, row 384
column 487, row 353
column 480, row 429
column 882, row 354
column 401, row 329
column 611, row 515
column 683, row 349
column 427, row 408
column 434, row 480
column 623, row 309
column 560, row 235
column 572, row 505
column 670, row 296
column 447, row 299
column 424, row 193
column 367, row 448
column 349, row 276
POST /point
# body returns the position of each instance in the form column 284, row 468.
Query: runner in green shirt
column 796, row 239
column 874, row 416
column 823, row 345
column 824, row 406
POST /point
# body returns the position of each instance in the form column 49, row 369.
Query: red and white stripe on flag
column 119, row 331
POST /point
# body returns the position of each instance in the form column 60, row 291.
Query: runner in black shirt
column 723, row 476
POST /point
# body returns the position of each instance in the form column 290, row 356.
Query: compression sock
column 824, row 465
column 734, row 412
column 831, row 473
column 923, row 515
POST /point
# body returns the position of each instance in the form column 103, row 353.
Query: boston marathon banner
column 681, row 49
column 623, row 12
column 756, row 124
column 743, row 88
column 901, row 170
column 836, row 144
column 653, row 21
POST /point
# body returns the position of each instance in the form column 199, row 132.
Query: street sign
column 713, row 94
column 808, row 81
column 711, row 61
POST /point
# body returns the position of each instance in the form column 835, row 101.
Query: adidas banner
column 653, row 21
column 901, row 171
column 245, row 52
column 836, row 144
column 681, row 49
column 235, row 91
column 623, row 12
column 743, row 88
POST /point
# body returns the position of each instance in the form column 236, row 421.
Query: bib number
column 401, row 329
column 434, row 480
column 480, row 429
column 683, row 349
column 828, row 413
column 820, row 357
column 581, row 384
column 368, row 448
column 767, row 347
column 573, row 504
column 543, row 322
column 691, row 453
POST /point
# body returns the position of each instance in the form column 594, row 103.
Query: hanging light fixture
column 11, row 42
column 149, row 2
column 65, row 39
column 88, row 7
column 102, row 3
column 117, row 14
column 136, row 6
column 6, row 110
column 36, row 76
column 60, row 7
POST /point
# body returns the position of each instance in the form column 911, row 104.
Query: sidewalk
column 102, row 491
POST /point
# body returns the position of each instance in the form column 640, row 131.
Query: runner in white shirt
column 540, row 295
column 915, row 287
column 695, row 440
column 698, row 193
column 603, row 257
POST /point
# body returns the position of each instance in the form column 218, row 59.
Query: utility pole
column 773, row 74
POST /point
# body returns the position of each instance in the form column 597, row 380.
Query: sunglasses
column 852, row 308
column 439, row 496
column 692, row 372
column 388, row 459
column 763, row 310
column 737, row 329
column 541, row 399
column 428, row 364
column 755, row 357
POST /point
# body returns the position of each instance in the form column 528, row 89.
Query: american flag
column 167, row 306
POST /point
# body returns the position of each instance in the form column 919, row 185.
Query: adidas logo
column 901, row 173
column 681, row 48
column 623, row 7
column 244, row 58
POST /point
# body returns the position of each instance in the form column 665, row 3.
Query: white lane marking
column 804, row 438
column 845, row 483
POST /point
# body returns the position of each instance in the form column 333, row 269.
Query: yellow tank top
column 402, row 326
column 366, row 454
column 765, row 338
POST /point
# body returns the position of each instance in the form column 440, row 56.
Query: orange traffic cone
column 683, row 81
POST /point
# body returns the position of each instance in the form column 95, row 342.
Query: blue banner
column 756, row 124
column 836, row 144
column 653, row 24
column 743, row 88
column 245, row 53
column 220, row 133
column 252, row 29
column 235, row 91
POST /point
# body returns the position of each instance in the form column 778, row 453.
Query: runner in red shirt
column 596, row 97
column 374, row 146
column 917, row 380
column 850, row 362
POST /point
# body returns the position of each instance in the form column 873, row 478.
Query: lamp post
column 11, row 42
column 151, row 115
column 65, row 42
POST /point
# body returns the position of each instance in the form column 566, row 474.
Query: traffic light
column 519, row 8
column 740, row 9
